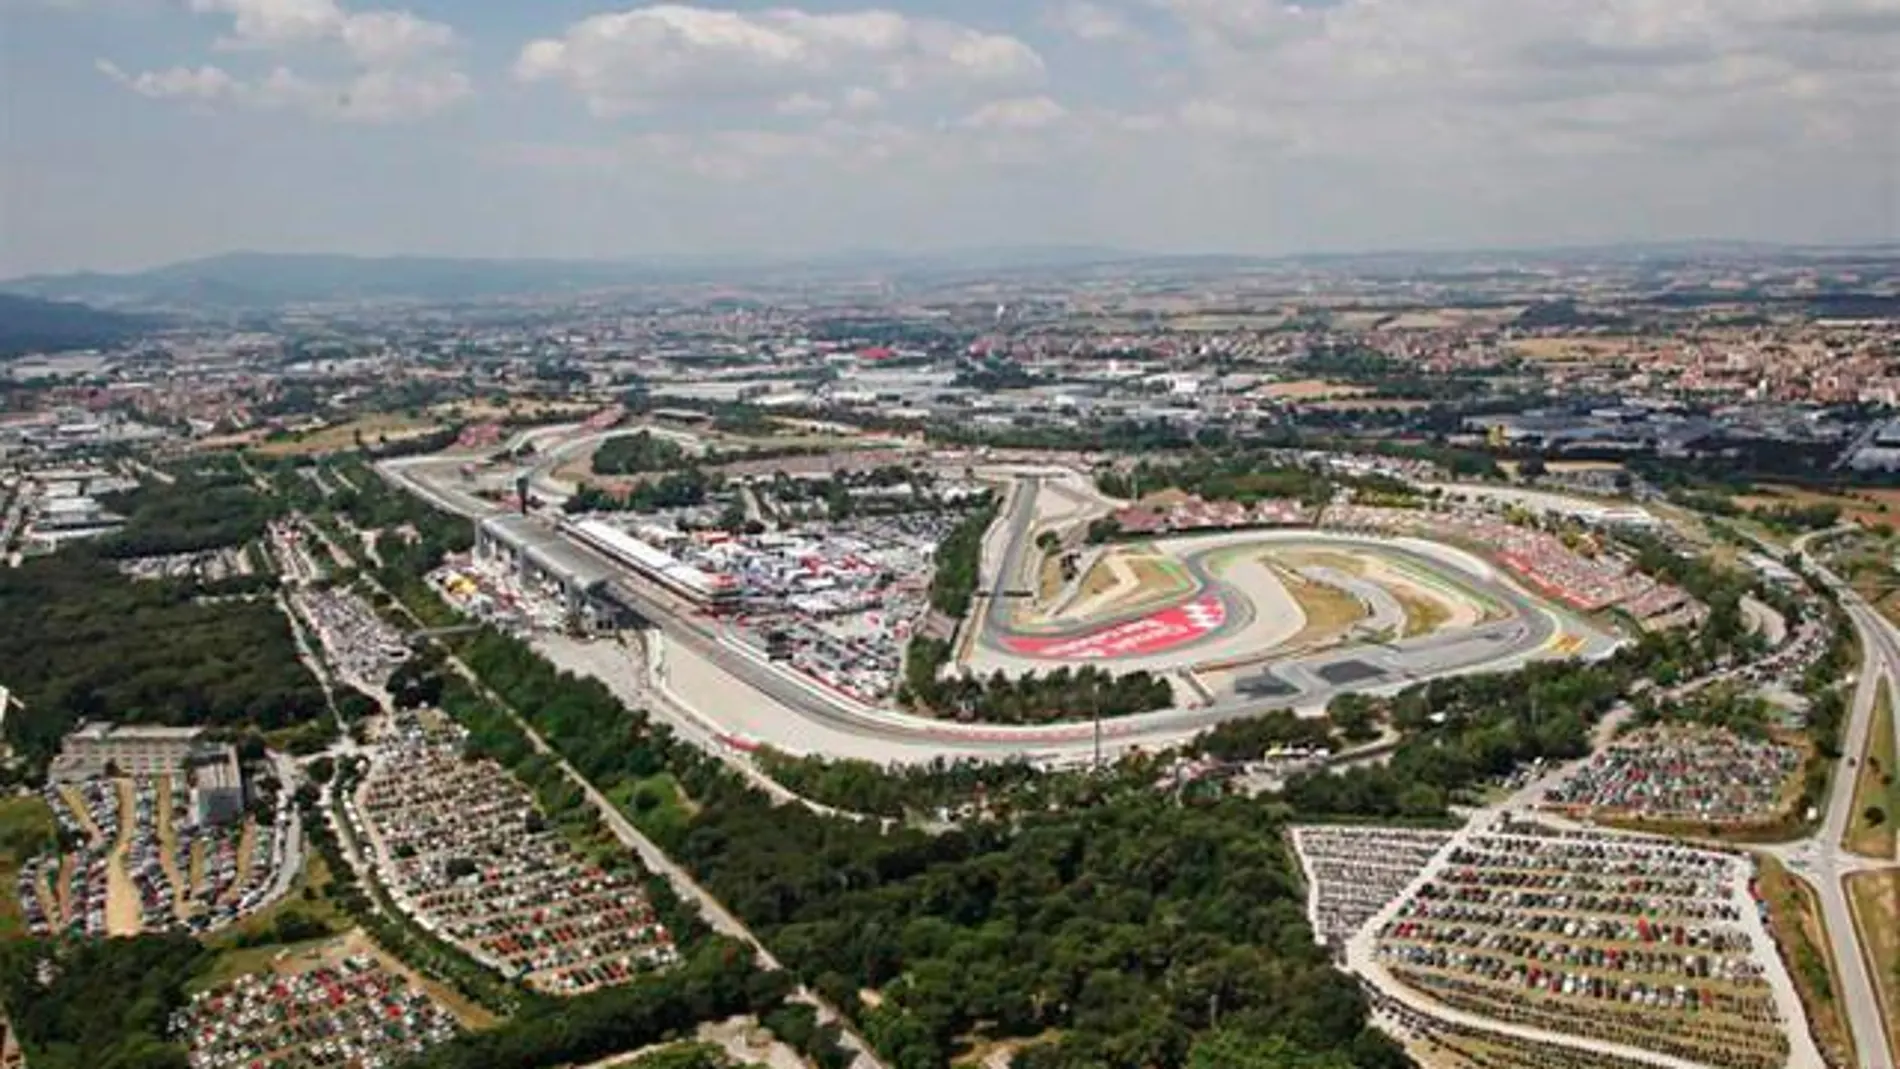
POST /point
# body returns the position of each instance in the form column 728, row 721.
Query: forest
column 208, row 506
column 958, row 561
column 81, row 640
column 1031, row 698
column 633, row 454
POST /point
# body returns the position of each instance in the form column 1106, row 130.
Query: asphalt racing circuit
column 729, row 688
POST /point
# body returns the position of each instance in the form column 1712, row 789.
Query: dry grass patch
column 1329, row 610
column 1876, row 787
column 371, row 429
column 1795, row 922
column 1875, row 900
column 1313, row 390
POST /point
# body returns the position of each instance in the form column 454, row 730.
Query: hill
column 30, row 325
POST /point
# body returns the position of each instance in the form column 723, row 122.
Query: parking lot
column 463, row 849
column 1352, row 872
column 1684, row 772
column 144, row 862
column 1641, row 943
column 355, row 640
column 337, row 1007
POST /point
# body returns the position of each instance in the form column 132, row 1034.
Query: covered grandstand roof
column 548, row 551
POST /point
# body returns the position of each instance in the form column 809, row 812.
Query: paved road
column 1822, row 861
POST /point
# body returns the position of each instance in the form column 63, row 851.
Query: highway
column 799, row 715
column 1821, row 860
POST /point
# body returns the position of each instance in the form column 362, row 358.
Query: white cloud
column 175, row 83
column 1502, row 77
column 1017, row 113
column 394, row 65
column 649, row 58
column 1090, row 21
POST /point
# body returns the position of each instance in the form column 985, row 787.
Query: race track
column 761, row 703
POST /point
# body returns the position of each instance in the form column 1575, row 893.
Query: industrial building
column 96, row 749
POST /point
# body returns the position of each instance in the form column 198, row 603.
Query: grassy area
column 656, row 803
column 27, row 828
column 309, row 898
column 1876, row 787
column 1875, row 900
column 371, row 430
column 1423, row 616
column 1795, row 919
column 1329, row 610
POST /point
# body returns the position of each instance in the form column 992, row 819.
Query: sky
column 138, row 132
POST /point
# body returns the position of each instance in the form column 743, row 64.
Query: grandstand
column 656, row 565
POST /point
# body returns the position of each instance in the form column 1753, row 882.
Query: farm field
column 379, row 427
column 1312, row 390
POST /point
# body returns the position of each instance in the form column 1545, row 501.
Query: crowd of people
column 353, row 1014
column 1683, row 772
column 1629, row 941
column 1352, row 872
column 465, row 850
column 1543, row 560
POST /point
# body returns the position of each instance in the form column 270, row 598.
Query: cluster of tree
column 1389, row 377
column 1461, row 733
column 719, row 981
column 210, row 505
column 1742, row 712
column 1243, row 476
column 636, row 453
column 82, row 641
column 1008, row 929
column 1251, row 738
column 863, row 787
column 98, row 1003
column 1064, row 694
column 992, row 374
column 680, row 489
column 958, row 561
column 1130, row 928
column 1787, row 519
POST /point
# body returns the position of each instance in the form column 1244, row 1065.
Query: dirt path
column 196, row 864
column 62, row 888
column 77, row 803
column 123, row 915
column 245, row 839
column 168, row 849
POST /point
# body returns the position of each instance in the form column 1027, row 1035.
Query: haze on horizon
column 137, row 132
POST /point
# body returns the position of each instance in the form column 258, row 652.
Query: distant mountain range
column 29, row 325
column 255, row 281
column 260, row 280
